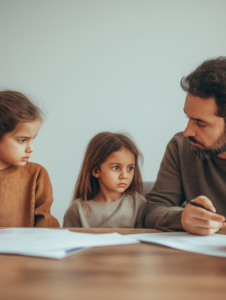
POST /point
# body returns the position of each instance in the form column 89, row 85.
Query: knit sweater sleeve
column 141, row 202
column 72, row 217
column 163, row 209
column 43, row 201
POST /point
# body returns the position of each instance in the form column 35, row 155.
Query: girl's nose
column 30, row 148
column 124, row 173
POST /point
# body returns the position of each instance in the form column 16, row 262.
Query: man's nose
column 189, row 130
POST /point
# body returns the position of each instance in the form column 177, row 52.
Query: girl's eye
column 130, row 169
column 21, row 141
column 115, row 168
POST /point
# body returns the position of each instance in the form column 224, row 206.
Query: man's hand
column 199, row 221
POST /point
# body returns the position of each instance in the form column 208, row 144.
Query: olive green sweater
column 183, row 176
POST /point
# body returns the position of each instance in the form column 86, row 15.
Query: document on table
column 55, row 243
column 56, row 254
column 214, row 245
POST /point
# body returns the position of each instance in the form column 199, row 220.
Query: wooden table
column 133, row 272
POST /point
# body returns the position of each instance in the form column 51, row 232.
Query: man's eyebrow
column 198, row 120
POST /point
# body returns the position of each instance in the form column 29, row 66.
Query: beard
column 207, row 153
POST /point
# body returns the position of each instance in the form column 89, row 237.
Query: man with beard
column 193, row 168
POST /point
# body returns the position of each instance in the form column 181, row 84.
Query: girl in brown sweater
column 25, row 187
column 108, row 192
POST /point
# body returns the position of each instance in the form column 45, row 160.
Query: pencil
column 199, row 205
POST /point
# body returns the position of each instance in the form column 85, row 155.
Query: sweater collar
column 9, row 171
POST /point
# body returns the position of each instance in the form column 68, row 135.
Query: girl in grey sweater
column 108, row 192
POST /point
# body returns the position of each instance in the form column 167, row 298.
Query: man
column 194, row 165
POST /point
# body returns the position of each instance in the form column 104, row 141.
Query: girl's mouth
column 122, row 184
column 25, row 158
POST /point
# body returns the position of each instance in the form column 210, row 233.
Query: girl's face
column 16, row 146
column 116, row 173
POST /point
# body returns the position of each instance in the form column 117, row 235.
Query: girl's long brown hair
column 99, row 148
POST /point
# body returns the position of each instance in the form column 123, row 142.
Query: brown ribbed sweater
column 26, row 197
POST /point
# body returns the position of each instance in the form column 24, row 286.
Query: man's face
column 205, row 129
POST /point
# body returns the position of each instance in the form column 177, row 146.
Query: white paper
column 214, row 245
column 55, row 243
column 55, row 254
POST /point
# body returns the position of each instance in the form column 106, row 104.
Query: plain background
column 105, row 65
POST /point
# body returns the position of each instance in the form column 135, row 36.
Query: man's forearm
column 166, row 218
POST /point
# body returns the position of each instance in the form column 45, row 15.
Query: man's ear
column 95, row 172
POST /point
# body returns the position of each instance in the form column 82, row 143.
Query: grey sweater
column 183, row 176
column 126, row 212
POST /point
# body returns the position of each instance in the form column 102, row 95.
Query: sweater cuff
column 170, row 219
column 165, row 218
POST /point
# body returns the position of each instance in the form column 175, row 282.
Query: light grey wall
column 105, row 65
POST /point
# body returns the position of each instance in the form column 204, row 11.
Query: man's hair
column 209, row 80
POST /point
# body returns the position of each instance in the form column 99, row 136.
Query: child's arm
column 71, row 217
column 43, row 201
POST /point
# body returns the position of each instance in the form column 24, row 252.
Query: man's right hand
column 199, row 221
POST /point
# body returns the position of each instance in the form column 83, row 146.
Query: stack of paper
column 210, row 245
column 55, row 243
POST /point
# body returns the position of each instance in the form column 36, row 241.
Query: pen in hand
column 199, row 205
